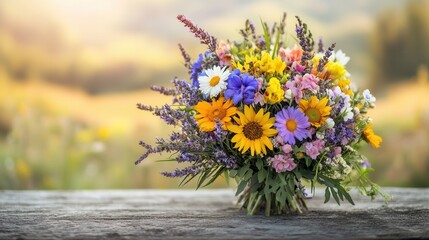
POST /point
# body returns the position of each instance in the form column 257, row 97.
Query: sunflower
column 316, row 110
column 371, row 137
column 217, row 110
column 253, row 131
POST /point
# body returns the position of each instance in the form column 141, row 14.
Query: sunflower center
column 218, row 113
column 252, row 130
column 214, row 81
column 313, row 115
column 291, row 125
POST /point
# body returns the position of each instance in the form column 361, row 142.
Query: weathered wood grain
column 203, row 214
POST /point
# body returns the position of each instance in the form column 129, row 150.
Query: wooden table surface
column 203, row 214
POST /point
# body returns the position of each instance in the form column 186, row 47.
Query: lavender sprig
column 163, row 90
column 282, row 28
column 186, row 57
column 205, row 38
column 325, row 58
column 305, row 41
column 320, row 45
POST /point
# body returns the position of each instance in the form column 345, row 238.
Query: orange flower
column 371, row 137
column 217, row 110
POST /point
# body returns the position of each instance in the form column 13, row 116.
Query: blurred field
column 57, row 138
column 70, row 79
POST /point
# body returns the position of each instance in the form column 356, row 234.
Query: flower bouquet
column 270, row 112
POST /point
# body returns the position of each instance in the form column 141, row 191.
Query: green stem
column 256, row 205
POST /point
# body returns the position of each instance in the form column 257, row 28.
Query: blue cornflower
column 241, row 87
column 196, row 69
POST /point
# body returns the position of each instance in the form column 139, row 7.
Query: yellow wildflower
column 274, row 93
column 263, row 65
column 335, row 70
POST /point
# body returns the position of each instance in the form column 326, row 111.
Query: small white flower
column 368, row 97
column 214, row 81
column 320, row 135
column 369, row 120
column 288, row 94
column 330, row 123
column 348, row 114
column 341, row 57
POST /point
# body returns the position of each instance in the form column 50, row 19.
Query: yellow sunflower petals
column 270, row 132
column 237, row 138
column 235, row 128
column 257, row 146
column 259, row 116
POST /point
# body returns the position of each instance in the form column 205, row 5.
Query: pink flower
column 259, row 98
column 298, row 67
column 283, row 163
column 297, row 93
column 319, row 143
column 337, row 151
column 260, row 82
column 224, row 53
column 309, row 81
column 279, row 139
column 291, row 55
column 312, row 149
column 287, row 148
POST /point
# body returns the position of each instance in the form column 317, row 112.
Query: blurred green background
column 72, row 71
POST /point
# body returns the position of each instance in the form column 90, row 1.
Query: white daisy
column 214, row 81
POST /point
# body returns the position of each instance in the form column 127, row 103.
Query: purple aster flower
column 241, row 87
column 292, row 124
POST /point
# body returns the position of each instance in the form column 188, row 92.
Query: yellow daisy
column 217, row 110
column 371, row 137
column 316, row 110
column 253, row 131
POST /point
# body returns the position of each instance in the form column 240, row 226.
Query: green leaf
column 233, row 173
column 248, row 175
column 276, row 44
column 346, row 195
column 340, row 194
column 218, row 172
column 259, row 164
column 240, row 187
column 335, row 195
column 266, row 36
column 281, row 196
column 255, row 185
column 203, row 177
column 261, row 175
column 308, row 162
column 282, row 179
column 297, row 173
column 327, row 195
column 243, row 170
